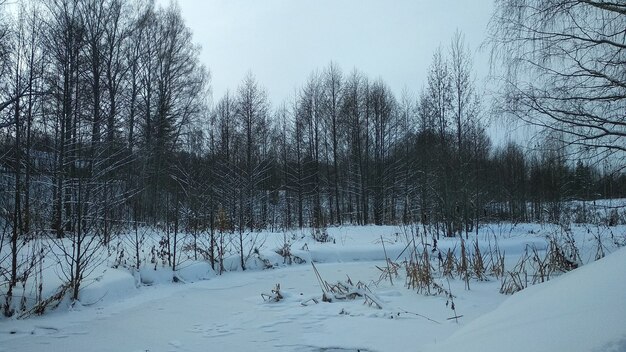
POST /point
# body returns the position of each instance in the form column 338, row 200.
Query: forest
column 108, row 124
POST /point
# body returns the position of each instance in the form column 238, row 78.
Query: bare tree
column 438, row 105
column 465, row 107
column 8, row 94
column 20, row 81
column 310, row 115
column 382, row 124
column 564, row 69
column 251, row 113
column 333, row 86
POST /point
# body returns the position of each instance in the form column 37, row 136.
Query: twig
column 456, row 317
column 421, row 316
column 386, row 260
column 322, row 283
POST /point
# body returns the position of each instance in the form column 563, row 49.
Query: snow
column 229, row 312
column 114, row 284
column 124, row 309
column 583, row 310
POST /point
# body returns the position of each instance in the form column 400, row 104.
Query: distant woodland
column 107, row 123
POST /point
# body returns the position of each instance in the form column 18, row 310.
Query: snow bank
column 190, row 272
column 113, row 284
column 584, row 310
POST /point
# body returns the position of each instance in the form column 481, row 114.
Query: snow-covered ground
column 583, row 310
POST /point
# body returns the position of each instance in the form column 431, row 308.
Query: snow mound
column 583, row 310
column 191, row 272
column 112, row 285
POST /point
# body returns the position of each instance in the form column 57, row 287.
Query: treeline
column 106, row 124
column 95, row 99
column 98, row 98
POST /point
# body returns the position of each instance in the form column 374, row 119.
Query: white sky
column 283, row 41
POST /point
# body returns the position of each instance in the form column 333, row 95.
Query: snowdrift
column 584, row 310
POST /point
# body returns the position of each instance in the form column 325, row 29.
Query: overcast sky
column 283, row 41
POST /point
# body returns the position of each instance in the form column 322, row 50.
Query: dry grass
column 537, row 266
column 462, row 267
column 345, row 290
column 448, row 264
column 516, row 279
column 496, row 260
column 389, row 272
column 419, row 273
column 478, row 263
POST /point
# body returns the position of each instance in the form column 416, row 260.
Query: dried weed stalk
column 274, row 295
column 478, row 263
column 419, row 273
column 346, row 290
